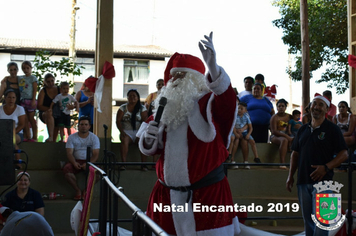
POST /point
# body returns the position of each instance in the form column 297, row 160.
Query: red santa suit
column 188, row 154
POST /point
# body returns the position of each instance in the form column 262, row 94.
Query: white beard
column 181, row 96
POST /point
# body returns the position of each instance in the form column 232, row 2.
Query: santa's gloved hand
column 209, row 55
column 151, row 133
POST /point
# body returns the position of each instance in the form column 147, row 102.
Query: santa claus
column 192, row 139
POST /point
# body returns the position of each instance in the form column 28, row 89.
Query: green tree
column 327, row 21
column 42, row 65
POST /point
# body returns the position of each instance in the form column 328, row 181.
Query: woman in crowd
column 279, row 130
column 128, row 120
column 11, row 82
column 10, row 110
column 23, row 198
column 346, row 121
column 149, row 102
column 260, row 110
column 85, row 97
column 45, row 97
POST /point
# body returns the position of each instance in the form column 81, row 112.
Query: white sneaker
column 234, row 167
column 247, row 167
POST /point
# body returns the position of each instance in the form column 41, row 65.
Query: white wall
column 156, row 72
column 118, row 80
column 4, row 59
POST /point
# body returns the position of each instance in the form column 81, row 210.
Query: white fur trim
column 220, row 85
column 184, row 222
column 175, row 167
column 147, row 152
column 233, row 229
column 204, row 131
column 142, row 129
column 327, row 102
column 183, row 69
column 232, row 127
column 161, row 128
column 141, row 135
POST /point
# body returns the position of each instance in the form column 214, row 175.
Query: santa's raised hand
column 209, row 55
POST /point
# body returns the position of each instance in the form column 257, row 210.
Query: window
column 19, row 58
column 136, row 75
column 88, row 63
column 89, row 70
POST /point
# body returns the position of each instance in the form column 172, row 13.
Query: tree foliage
column 42, row 65
column 328, row 44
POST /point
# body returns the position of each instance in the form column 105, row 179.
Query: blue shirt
column 258, row 109
column 88, row 109
column 293, row 123
column 32, row 201
column 241, row 121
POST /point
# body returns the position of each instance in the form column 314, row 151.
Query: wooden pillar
column 72, row 54
column 104, row 52
column 305, row 53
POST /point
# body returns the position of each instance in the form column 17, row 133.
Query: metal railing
column 141, row 223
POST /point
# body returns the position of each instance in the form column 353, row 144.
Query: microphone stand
column 105, row 149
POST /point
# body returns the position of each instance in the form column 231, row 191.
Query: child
column 243, row 126
column 64, row 99
column 28, row 91
column 234, row 143
column 294, row 124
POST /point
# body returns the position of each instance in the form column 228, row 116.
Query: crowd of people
column 278, row 127
column 206, row 120
column 27, row 202
column 256, row 122
column 54, row 103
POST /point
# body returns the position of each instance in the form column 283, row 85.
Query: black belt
column 212, row 177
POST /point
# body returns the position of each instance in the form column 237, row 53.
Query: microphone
column 105, row 126
column 162, row 104
column 18, row 151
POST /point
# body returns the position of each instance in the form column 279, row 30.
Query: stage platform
column 259, row 186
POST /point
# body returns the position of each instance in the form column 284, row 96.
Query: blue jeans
column 306, row 196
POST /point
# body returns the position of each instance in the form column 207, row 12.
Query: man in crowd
column 24, row 223
column 248, row 81
column 76, row 148
column 192, row 138
column 313, row 155
column 332, row 109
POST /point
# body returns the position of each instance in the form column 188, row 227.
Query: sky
column 245, row 40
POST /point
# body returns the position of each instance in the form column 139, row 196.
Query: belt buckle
column 183, row 189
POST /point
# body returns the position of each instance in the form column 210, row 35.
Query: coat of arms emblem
column 328, row 214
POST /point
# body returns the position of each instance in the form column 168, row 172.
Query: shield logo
column 328, row 208
column 328, row 214
column 321, row 136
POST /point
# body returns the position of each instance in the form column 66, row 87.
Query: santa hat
column 183, row 62
column 91, row 83
column 319, row 96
